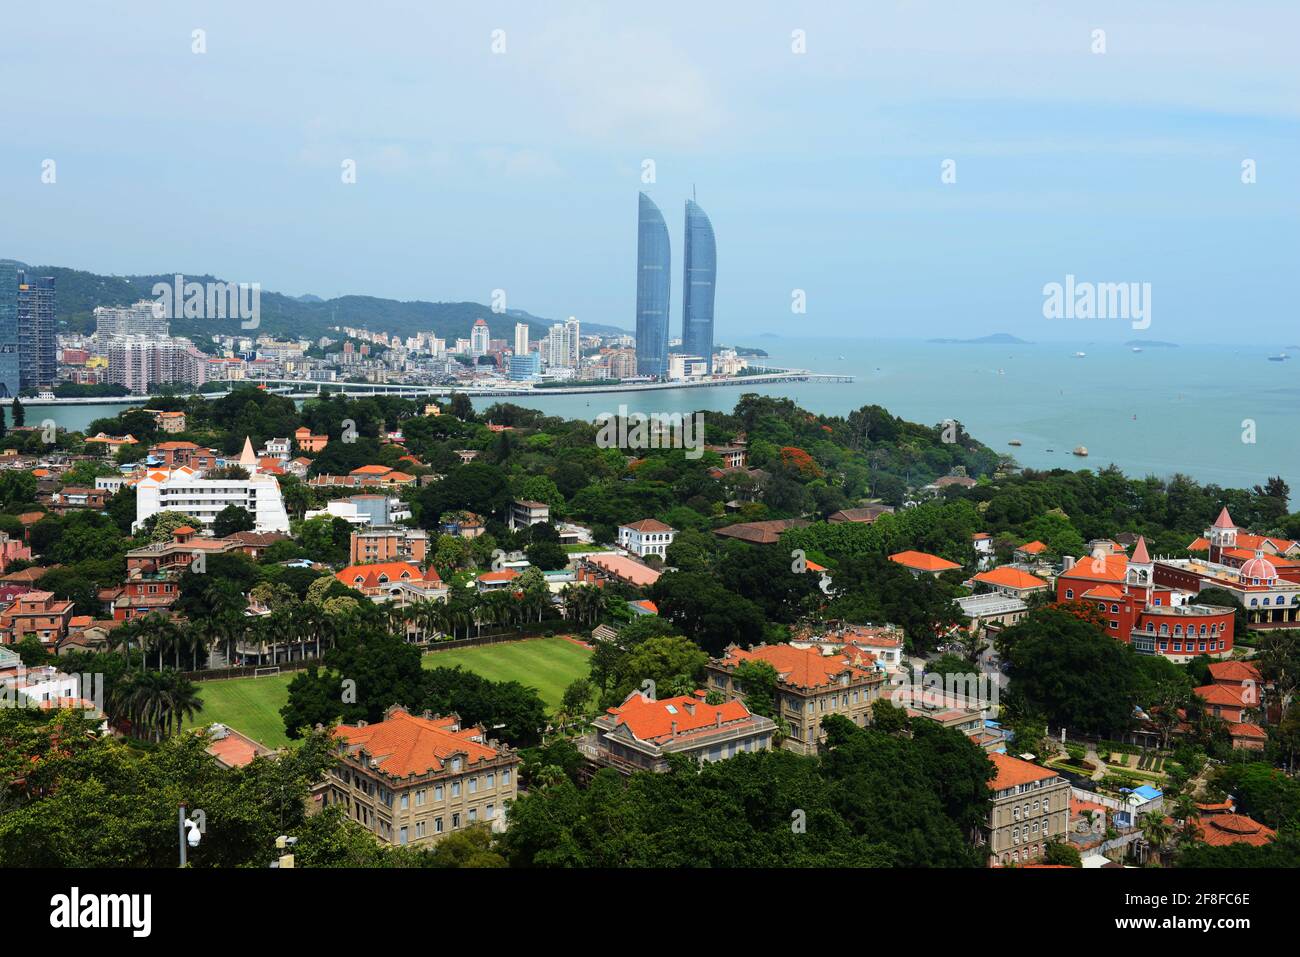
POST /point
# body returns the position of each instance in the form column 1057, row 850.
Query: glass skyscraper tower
column 653, row 281
column 699, row 275
column 9, row 379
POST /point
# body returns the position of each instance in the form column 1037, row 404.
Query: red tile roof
column 649, row 525
column 1219, row 830
column 1234, row 671
column 806, row 668
column 1012, row 772
column 653, row 720
column 1008, row 577
column 369, row 576
column 406, row 745
column 922, row 561
column 1032, row 548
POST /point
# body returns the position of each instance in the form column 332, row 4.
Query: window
column 401, row 836
column 437, row 825
column 420, row 797
column 455, row 789
column 455, row 820
column 437, row 792
column 473, row 785
column 406, row 802
column 492, row 779
column 473, row 815
column 505, row 777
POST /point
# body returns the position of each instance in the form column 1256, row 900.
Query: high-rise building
column 653, row 282
column 572, row 343
column 521, row 338
column 478, row 338
column 37, row 346
column 9, row 374
column 140, row 319
column 699, row 275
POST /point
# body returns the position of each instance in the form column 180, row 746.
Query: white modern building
column 646, row 537
column 187, row 490
column 479, row 338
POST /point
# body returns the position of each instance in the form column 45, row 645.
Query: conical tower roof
column 1140, row 556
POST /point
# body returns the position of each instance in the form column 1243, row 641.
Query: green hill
column 79, row 292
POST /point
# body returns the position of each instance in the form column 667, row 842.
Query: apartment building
column 1031, row 808
column 36, row 613
column 413, row 780
column 386, row 544
column 812, row 682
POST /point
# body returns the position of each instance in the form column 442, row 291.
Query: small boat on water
column 1137, row 348
column 1280, row 357
column 1081, row 451
column 1014, row 442
column 1080, row 355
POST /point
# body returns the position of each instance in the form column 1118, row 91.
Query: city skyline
column 1114, row 167
column 653, row 288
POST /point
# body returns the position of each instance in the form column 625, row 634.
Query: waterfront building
column 9, row 373
column 699, row 276
column 653, row 284
column 37, row 344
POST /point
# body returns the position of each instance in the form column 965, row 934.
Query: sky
column 503, row 147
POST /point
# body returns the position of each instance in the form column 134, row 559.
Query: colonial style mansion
column 1261, row 573
column 1136, row 607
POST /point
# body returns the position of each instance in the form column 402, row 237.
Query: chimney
column 689, row 706
column 1067, row 563
column 717, row 718
column 674, row 729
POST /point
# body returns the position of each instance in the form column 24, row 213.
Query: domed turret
column 1258, row 570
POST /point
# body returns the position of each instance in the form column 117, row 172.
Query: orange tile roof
column 1105, row 591
column 625, row 569
column 504, row 575
column 1032, row 548
column 806, row 668
column 1222, row 695
column 1247, row 730
column 368, row 576
column 371, row 470
column 406, row 745
column 1235, row 671
column 1099, row 568
column 1008, row 577
column 1219, row 830
column 652, row 720
column 921, row 561
column 1012, row 772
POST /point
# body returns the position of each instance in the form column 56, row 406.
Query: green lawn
column 249, row 705
column 548, row 664
column 252, row 705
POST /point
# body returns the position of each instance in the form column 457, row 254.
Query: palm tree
column 1157, row 831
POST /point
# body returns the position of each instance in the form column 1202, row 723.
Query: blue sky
column 820, row 171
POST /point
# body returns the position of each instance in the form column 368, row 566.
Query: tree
column 1062, row 853
column 232, row 519
column 17, row 413
column 1070, row 672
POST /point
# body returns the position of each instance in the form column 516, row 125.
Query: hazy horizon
column 822, row 171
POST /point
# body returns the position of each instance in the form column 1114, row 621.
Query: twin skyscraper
column 653, row 282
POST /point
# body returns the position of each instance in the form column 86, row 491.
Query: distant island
column 998, row 338
column 1151, row 344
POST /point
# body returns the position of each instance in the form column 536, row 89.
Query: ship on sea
column 1280, row 357
column 1014, row 442
column 1081, row 451
column 1080, row 355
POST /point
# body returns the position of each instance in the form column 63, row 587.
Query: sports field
column 548, row 664
column 252, row 705
column 249, row 705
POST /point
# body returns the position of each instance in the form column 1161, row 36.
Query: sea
column 1220, row 414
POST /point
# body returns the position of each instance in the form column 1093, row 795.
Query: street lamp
column 188, row 833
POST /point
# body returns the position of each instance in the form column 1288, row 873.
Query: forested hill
column 79, row 292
